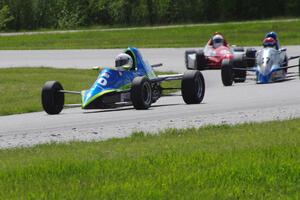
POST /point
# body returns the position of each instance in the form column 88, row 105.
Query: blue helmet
column 275, row 37
column 272, row 35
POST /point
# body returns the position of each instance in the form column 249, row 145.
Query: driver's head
column 217, row 41
column 123, row 62
column 269, row 42
column 272, row 35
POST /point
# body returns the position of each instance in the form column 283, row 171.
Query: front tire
column 53, row 100
column 193, row 87
column 226, row 73
column 141, row 93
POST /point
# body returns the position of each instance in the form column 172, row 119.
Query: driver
column 270, row 42
column 275, row 37
column 123, row 62
column 217, row 41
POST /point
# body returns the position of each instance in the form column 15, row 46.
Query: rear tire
column 52, row 100
column 193, row 87
column 141, row 93
column 201, row 61
column 299, row 68
column 250, row 57
column 227, row 73
column 239, row 76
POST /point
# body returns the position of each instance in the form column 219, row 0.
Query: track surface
column 88, row 58
column 172, row 58
column 241, row 103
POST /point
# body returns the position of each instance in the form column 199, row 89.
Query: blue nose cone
column 263, row 79
column 90, row 95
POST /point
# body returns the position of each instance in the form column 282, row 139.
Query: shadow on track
column 127, row 108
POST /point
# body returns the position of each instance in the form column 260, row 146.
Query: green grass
column 20, row 88
column 252, row 161
column 195, row 36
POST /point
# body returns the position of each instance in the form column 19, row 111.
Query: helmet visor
column 122, row 62
column 218, row 40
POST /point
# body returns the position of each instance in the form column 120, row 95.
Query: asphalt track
column 172, row 58
column 246, row 102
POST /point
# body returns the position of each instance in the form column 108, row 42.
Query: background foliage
column 66, row 14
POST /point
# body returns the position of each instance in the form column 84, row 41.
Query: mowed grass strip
column 252, row 161
column 20, row 88
column 188, row 36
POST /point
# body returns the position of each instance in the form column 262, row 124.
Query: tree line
column 68, row 14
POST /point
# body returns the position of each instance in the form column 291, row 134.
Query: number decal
column 266, row 60
column 102, row 81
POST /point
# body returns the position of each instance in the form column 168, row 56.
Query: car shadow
column 128, row 108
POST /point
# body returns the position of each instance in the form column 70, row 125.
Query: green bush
column 66, row 14
column 69, row 20
column 5, row 17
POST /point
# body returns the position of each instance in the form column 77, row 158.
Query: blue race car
column 133, row 82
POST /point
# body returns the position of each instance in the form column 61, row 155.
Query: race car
column 138, row 85
column 215, row 52
column 271, row 65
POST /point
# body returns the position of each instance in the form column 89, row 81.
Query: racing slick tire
column 201, row 62
column 286, row 61
column 227, row 73
column 299, row 68
column 250, row 57
column 141, row 93
column 239, row 76
column 52, row 100
column 193, row 87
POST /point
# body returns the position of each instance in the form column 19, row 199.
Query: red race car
column 218, row 53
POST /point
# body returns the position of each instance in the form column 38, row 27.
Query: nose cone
column 263, row 79
column 89, row 96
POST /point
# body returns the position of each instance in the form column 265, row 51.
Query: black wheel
column 250, row 57
column 201, row 61
column 193, row 87
column 238, row 49
column 53, row 100
column 239, row 76
column 186, row 57
column 227, row 73
column 141, row 93
column 286, row 63
column 299, row 68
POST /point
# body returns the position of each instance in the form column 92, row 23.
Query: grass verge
column 251, row 161
column 185, row 36
column 20, row 88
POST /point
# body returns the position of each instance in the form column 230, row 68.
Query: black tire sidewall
column 52, row 100
column 227, row 73
column 189, row 87
column 140, row 85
